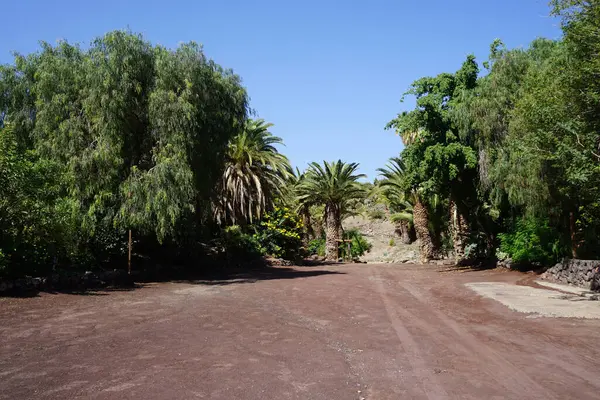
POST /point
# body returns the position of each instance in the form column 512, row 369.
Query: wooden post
column 129, row 257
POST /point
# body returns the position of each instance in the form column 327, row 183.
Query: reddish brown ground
column 339, row 332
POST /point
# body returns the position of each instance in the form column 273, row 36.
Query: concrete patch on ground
column 568, row 288
column 546, row 303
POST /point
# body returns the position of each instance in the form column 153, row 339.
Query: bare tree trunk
column 459, row 229
column 332, row 232
column 421, row 221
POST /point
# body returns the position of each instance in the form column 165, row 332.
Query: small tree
column 280, row 233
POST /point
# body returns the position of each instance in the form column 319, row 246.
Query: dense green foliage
column 358, row 245
column 277, row 234
column 500, row 158
column 531, row 241
column 36, row 223
column 240, row 247
column 127, row 136
column 516, row 145
column 316, row 247
column 123, row 135
column 280, row 234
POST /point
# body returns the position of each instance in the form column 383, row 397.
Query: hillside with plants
column 124, row 139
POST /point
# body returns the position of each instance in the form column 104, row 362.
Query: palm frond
column 255, row 173
column 402, row 216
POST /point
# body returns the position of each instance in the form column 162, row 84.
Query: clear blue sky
column 329, row 74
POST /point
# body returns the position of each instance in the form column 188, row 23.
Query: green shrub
column 316, row 247
column 479, row 247
column 280, row 234
column 358, row 246
column 532, row 241
column 376, row 214
column 501, row 256
column 239, row 245
column 392, row 242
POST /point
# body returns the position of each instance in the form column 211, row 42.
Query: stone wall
column 582, row 273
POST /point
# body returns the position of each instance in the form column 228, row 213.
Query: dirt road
column 339, row 332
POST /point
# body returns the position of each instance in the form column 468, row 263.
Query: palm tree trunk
column 459, row 229
column 403, row 230
column 319, row 231
column 308, row 230
column 332, row 232
column 421, row 221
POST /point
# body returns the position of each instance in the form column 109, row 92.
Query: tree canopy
column 517, row 143
column 501, row 158
column 255, row 174
column 134, row 134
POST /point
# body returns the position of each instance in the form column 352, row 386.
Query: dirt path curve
column 341, row 332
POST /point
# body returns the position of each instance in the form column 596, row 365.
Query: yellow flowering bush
column 280, row 233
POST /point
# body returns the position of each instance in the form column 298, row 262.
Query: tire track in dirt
column 439, row 338
column 507, row 375
column 426, row 377
column 571, row 369
column 287, row 315
column 559, row 357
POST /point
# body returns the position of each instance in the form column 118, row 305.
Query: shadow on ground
column 211, row 276
column 319, row 263
column 471, row 266
column 92, row 291
column 263, row 274
column 492, row 264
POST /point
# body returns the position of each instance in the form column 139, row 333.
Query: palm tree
column 429, row 249
column 399, row 203
column 333, row 185
column 254, row 175
column 459, row 230
column 408, row 135
column 403, row 218
column 410, row 206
